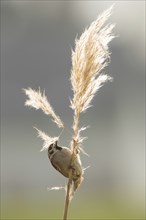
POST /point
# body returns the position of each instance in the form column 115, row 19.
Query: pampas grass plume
column 89, row 57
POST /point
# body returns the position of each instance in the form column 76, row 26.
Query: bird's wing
column 56, row 166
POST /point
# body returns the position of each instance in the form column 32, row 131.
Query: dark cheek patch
column 51, row 152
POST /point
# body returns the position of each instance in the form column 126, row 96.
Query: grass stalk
column 67, row 199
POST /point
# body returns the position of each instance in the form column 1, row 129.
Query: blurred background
column 36, row 42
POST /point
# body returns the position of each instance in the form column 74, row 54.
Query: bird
column 60, row 158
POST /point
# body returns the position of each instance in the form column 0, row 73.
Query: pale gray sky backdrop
column 36, row 42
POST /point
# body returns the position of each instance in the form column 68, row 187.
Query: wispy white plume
column 56, row 188
column 90, row 57
column 39, row 100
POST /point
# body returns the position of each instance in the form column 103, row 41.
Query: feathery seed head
column 90, row 57
column 39, row 100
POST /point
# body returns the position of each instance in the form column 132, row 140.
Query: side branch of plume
column 38, row 100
